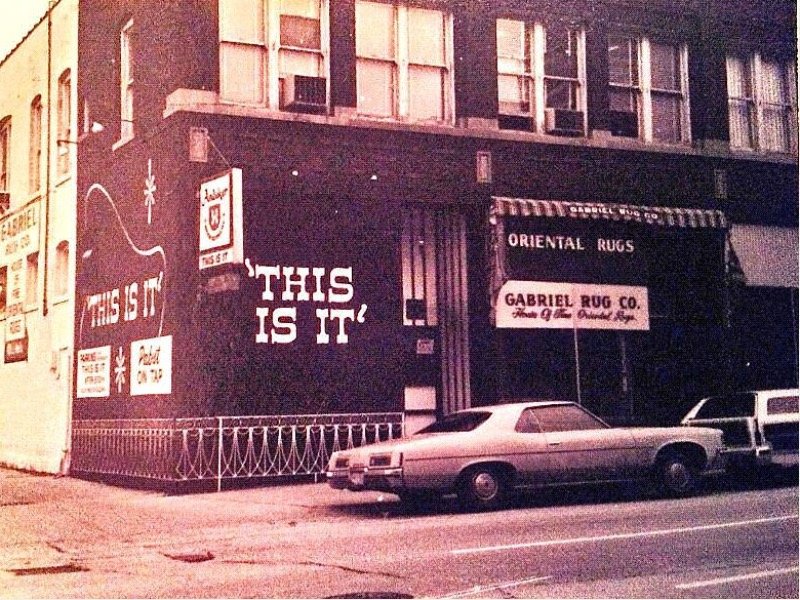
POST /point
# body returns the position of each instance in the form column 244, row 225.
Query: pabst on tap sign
column 221, row 219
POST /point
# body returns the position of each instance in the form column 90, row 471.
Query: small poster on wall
column 221, row 220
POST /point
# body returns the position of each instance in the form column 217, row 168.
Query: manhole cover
column 51, row 570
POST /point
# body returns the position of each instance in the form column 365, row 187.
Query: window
column 31, row 278
column 35, row 148
column 457, row 422
column 762, row 106
column 566, row 417
column 61, row 282
column 648, row 89
column 64, row 121
column 541, row 76
column 250, row 72
column 783, row 405
column 403, row 62
column 418, row 258
column 722, row 407
column 3, row 291
column 126, row 79
column 5, row 153
column 527, row 422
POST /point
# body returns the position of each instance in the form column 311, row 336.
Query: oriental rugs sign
column 578, row 265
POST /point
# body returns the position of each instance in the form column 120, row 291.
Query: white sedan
column 481, row 454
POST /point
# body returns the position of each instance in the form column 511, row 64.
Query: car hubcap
column 485, row 486
column 678, row 476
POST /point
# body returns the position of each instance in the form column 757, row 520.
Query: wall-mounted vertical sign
column 19, row 239
column 221, row 220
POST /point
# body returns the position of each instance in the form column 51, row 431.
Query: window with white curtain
column 648, row 79
column 539, row 67
column 762, row 103
column 264, row 42
column 403, row 62
column 126, row 79
column 35, row 147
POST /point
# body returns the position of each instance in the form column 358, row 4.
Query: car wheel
column 677, row 476
column 483, row 488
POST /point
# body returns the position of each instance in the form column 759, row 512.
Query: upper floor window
column 648, row 89
column 61, row 283
column 64, row 121
column 403, row 62
column 31, row 278
column 762, row 105
column 126, row 79
column 5, row 153
column 35, row 147
column 541, row 76
column 274, row 53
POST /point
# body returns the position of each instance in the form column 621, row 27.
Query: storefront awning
column 768, row 256
column 651, row 215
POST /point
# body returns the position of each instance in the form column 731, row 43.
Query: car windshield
column 464, row 421
column 723, row 407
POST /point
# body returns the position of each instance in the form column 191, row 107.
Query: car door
column 584, row 448
column 530, row 452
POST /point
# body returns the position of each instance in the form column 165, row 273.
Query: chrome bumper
column 366, row 478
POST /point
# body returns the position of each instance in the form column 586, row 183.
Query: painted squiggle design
column 146, row 252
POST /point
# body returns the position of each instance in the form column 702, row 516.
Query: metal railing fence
column 222, row 448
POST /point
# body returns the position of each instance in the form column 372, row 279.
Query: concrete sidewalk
column 46, row 520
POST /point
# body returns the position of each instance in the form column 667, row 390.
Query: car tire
column 677, row 476
column 483, row 488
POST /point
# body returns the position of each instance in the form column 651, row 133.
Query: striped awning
column 650, row 215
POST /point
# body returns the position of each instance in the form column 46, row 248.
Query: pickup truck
column 759, row 428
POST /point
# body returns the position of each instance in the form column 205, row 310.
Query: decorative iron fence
column 222, row 448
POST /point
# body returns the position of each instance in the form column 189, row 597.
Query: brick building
column 345, row 207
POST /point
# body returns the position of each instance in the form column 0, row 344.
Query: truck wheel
column 676, row 475
column 483, row 488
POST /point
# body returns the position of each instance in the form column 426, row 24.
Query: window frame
column 64, row 123
column 534, row 76
column 756, row 102
column 644, row 90
column 35, row 146
column 5, row 154
column 31, row 279
column 270, row 49
column 127, row 80
column 402, row 64
column 62, row 267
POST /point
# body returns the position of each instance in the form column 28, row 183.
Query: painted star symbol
column 119, row 370
column 149, row 189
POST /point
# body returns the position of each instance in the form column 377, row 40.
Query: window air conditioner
column 304, row 94
column 560, row 121
column 5, row 202
column 623, row 123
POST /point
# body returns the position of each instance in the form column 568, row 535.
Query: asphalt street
column 67, row 538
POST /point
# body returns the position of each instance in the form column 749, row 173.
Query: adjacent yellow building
column 38, row 147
